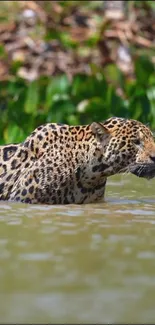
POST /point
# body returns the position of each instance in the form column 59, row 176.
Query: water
column 81, row 264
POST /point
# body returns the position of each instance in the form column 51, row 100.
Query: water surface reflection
column 90, row 263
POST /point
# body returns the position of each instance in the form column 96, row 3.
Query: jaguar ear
column 100, row 131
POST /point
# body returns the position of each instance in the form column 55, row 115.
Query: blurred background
column 75, row 62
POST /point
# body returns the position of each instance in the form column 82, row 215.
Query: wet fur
column 61, row 164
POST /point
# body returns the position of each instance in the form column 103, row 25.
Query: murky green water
column 81, row 264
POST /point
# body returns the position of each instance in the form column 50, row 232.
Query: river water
column 81, row 264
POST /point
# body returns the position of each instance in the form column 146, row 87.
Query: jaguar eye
column 137, row 142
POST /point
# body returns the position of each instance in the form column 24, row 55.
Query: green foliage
column 24, row 106
column 105, row 92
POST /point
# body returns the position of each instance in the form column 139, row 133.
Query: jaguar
column 62, row 164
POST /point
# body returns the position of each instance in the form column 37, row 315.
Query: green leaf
column 151, row 96
column 13, row 134
column 140, row 108
column 116, row 105
column 144, row 68
column 86, row 87
column 60, row 110
column 3, row 53
column 32, row 98
column 114, row 74
column 57, row 86
column 93, row 109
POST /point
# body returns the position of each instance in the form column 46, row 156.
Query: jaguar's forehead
column 127, row 126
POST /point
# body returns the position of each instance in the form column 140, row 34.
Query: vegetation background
column 75, row 62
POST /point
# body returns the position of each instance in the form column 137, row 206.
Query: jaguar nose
column 152, row 158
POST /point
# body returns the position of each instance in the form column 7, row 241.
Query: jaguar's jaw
column 146, row 170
